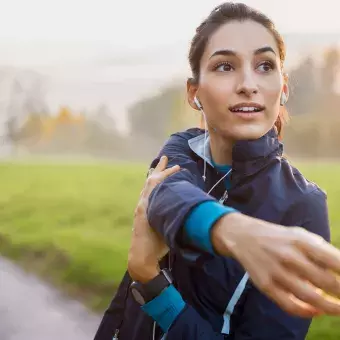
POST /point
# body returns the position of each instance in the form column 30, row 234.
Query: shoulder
column 186, row 135
column 178, row 142
column 303, row 187
column 309, row 208
column 178, row 150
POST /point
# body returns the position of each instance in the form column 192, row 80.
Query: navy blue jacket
column 221, row 302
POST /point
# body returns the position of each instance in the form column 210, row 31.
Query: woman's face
column 240, row 81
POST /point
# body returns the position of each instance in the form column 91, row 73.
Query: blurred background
column 89, row 92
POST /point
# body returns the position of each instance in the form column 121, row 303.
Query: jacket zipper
column 224, row 197
column 115, row 337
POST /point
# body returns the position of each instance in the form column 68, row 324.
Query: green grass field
column 71, row 224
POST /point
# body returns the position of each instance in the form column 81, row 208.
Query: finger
column 168, row 172
column 313, row 273
column 151, row 170
column 320, row 251
column 157, row 178
column 307, row 293
column 291, row 304
column 162, row 164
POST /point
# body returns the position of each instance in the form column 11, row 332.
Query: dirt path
column 32, row 310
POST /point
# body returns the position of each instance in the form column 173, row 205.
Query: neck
column 221, row 149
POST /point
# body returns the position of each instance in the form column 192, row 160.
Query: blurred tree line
column 314, row 105
column 67, row 132
column 31, row 128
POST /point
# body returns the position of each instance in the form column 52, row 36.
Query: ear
column 192, row 89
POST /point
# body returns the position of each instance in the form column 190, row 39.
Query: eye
column 223, row 67
column 266, row 67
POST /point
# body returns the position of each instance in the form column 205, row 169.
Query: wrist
column 147, row 291
column 149, row 276
column 145, row 275
column 225, row 232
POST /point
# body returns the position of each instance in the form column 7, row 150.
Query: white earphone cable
column 221, row 179
column 205, row 144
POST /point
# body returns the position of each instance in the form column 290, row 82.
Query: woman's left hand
column 147, row 247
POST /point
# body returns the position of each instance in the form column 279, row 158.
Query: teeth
column 246, row 109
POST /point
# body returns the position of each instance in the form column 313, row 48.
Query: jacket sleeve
column 177, row 319
column 190, row 325
column 173, row 200
column 262, row 318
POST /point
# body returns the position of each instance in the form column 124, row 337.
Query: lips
column 247, row 108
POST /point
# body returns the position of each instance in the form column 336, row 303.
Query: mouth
column 247, row 109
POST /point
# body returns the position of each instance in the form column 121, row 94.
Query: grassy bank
column 71, row 224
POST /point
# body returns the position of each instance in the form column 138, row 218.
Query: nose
column 247, row 84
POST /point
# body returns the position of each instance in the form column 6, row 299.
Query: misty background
column 107, row 78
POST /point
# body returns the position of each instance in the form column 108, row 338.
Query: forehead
column 240, row 36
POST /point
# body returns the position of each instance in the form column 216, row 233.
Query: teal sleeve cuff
column 165, row 308
column 200, row 221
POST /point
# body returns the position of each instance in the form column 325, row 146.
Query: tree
column 329, row 71
column 150, row 116
column 303, row 87
column 162, row 114
column 26, row 99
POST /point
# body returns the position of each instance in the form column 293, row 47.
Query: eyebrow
column 233, row 53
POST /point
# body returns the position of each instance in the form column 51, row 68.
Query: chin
column 250, row 132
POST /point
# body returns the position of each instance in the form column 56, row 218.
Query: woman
column 238, row 231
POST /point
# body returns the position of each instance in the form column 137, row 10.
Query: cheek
column 271, row 91
column 216, row 90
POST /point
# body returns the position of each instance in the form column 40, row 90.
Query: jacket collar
column 201, row 148
column 248, row 156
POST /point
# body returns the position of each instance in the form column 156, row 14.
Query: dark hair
column 221, row 15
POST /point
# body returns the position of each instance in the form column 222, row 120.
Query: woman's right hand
column 290, row 265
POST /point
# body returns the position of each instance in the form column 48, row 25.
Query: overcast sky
column 69, row 25
column 122, row 21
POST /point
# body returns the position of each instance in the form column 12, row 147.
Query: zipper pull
column 224, row 197
column 115, row 337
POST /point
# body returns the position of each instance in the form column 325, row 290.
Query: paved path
column 32, row 310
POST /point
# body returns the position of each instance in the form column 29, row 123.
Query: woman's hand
column 147, row 247
column 290, row 265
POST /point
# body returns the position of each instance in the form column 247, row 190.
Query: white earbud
column 198, row 104
column 283, row 99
